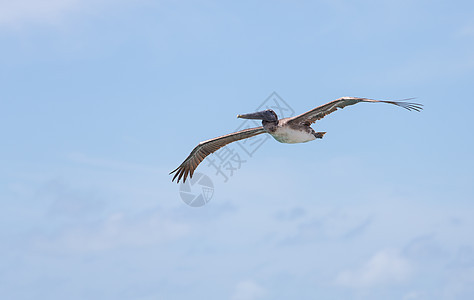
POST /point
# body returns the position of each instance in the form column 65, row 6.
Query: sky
column 100, row 100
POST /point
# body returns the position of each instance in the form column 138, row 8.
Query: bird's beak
column 256, row 115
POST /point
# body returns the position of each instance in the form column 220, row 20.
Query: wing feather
column 321, row 111
column 205, row 148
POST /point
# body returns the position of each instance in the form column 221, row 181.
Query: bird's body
column 289, row 130
column 290, row 134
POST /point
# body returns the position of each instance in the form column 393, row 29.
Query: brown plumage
column 289, row 130
column 321, row 111
column 205, row 148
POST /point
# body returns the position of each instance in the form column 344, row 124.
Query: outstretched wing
column 323, row 110
column 205, row 148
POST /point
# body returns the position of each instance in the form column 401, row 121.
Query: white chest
column 291, row 136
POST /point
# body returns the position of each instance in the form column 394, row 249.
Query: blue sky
column 99, row 100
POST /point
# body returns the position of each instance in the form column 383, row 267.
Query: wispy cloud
column 290, row 215
column 109, row 164
column 67, row 201
column 116, row 230
column 425, row 248
column 385, row 267
column 415, row 295
column 466, row 31
column 336, row 224
column 248, row 290
column 20, row 11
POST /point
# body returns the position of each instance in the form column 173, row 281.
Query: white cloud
column 465, row 31
column 335, row 224
column 19, row 11
column 385, row 267
column 415, row 295
column 248, row 290
column 16, row 13
column 116, row 230
column 110, row 164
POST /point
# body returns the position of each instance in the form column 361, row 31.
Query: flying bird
column 288, row 130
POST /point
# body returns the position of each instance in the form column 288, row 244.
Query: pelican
column 288, row 130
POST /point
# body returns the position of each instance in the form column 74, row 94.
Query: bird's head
column 264, row 115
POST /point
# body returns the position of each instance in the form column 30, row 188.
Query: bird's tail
column 319, row 135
